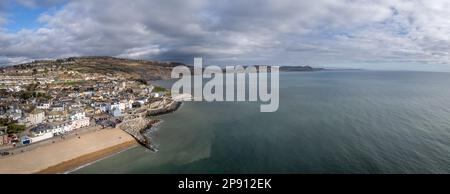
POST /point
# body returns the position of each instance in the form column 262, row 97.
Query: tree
column 159, row 89
column 12, row 126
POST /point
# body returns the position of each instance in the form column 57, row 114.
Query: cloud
column 255, row 31
column 39, row 3
column 6, row 6
column 3, row 19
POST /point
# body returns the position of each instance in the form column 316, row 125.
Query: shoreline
column 76, row 163
column 67, row 155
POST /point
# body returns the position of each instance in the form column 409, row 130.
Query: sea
column 339, row 121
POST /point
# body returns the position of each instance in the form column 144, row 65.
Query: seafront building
column 3, row 136
column 34, row 118
column 43, row 100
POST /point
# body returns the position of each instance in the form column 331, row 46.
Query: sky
column 369, row 34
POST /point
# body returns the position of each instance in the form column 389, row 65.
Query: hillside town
column 48, row 99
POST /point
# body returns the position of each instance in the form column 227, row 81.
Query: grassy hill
column 149, row 70
column 143, row 69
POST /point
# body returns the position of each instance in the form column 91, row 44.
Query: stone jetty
column 136, row 128
column 138, row 122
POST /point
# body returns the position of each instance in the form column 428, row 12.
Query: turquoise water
column 328, row 122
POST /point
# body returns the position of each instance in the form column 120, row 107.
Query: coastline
column 90, row 158
column 73, row 164
column 82, row 149
column 70, row 154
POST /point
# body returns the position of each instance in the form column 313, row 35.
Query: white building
column 114, row 106
column 87, row 93
column 79, row 120
column 62, row 128
column 74, row 94
column 41, row 137
column 76, row 115
column 54, row 116
column 40, row 133
column 76, row 124
column 15, row 116
column 101, row 107
column 58, row 108
column 46, row 131
column 123, row 105
column 43, row 106
column 142, row 101
column 157, row 94
column 129, row 104
column 35, row 117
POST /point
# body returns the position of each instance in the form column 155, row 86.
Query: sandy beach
column 65, row 155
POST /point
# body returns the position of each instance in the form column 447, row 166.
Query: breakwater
column 168, row 109
column 138, row 124
column 137, row 127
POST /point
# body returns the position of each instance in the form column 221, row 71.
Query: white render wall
column 41, row 138
column 76, row 124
